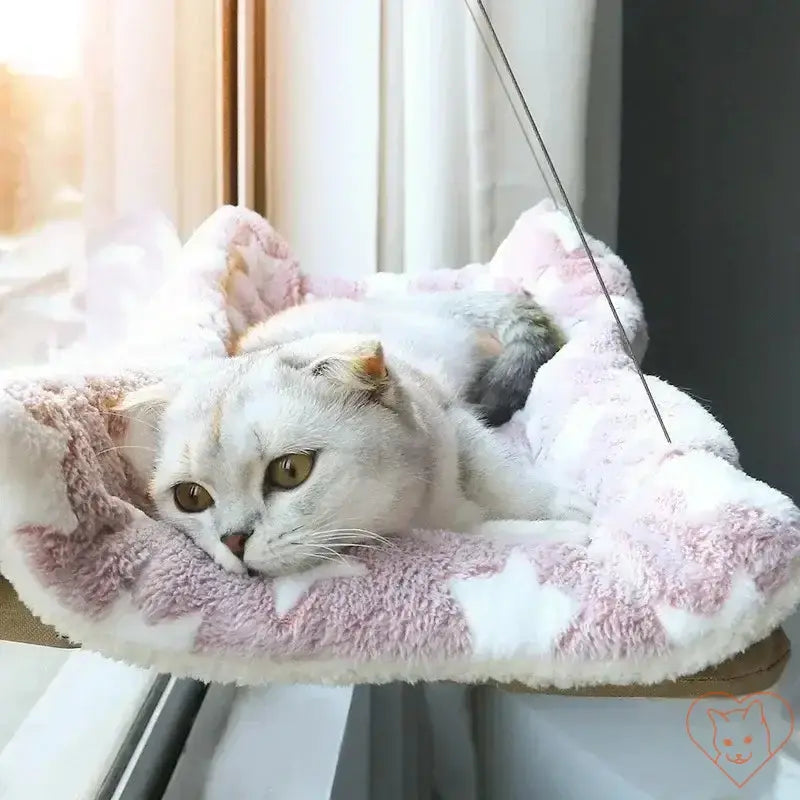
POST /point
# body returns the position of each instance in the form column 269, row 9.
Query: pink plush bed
column 691, row 560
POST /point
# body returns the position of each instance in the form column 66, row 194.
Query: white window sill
column 65, row 744
column 26, row 670
column 282, row 741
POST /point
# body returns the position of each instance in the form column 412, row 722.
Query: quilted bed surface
column 690, row 560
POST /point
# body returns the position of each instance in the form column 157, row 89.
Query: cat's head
column 741, row 733
column 273, row 460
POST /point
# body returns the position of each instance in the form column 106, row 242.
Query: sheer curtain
column 391, row 145
column 151, row 107
column 144, row 92
column 466, row 170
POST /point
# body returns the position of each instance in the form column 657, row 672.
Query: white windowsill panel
column 26, row 670
column 280, row 741
column 67, row 742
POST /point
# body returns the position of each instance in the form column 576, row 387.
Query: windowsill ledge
column 65, row 743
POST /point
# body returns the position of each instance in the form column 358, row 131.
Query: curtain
column 153, row 150
column 392, row 147
column 467, row 172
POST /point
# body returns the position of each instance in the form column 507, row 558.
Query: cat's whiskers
column 125, row 447
column 361, row 533
column 361, row 545
column 289, row 532
column 314, row 554
column 325, row 545
column 339, row 540
column 306, row 546
column 128, row 419
column 335, row 555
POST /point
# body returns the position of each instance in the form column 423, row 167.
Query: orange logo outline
column 742, row 703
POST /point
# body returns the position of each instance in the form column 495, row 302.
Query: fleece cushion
column 690, row 561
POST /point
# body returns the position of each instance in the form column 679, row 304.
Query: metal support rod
column 506, row 74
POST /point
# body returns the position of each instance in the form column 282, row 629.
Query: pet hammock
column 691, row 561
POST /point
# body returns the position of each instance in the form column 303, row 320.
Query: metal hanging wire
column 533, row 137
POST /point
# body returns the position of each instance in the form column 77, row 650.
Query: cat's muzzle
column 236, row 541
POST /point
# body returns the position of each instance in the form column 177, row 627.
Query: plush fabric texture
column 691, row 560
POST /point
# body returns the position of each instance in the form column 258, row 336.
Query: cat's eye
column 748, row 739
column 727, row 742
column 192, row 498
column 289, row 470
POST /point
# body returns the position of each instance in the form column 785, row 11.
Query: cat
column 341, row 422
column 487, row 345
column 741, row 738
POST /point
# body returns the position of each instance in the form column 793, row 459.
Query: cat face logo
column 740, row 735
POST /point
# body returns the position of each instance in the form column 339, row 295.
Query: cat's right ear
column 755, row 709
column 142, row 408
column 147, row 401
column 360, row 368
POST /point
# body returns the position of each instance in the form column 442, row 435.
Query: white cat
column 344, row 422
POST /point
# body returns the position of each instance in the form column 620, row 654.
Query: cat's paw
column 227, row 560
column 569, row 505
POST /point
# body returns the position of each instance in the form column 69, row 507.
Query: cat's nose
column 235, row 541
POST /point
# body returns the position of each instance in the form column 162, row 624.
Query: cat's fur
column 376, row 389
column 487, row 346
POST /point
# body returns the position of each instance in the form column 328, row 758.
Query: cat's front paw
column 227, row 560
column 570, row 505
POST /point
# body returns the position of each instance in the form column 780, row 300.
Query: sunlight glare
column 42, row 37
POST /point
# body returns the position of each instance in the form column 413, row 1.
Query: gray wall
column 709, row 218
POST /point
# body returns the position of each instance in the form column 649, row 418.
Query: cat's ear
column 754, row 710
column 142, row 408
column 717, row 716
column 361, row 368
column 147, row 401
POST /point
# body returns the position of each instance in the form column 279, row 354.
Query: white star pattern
column 288, row 590
column 175, row 635
column 510, row 613
column 683, row 627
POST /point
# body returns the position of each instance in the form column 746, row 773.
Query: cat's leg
column 503, row 484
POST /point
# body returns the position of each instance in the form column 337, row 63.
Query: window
column 41, row 173
column 108, row 157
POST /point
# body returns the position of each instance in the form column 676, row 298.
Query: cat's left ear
column 361, row 368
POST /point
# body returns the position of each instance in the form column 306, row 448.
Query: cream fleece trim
column 708, row 650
